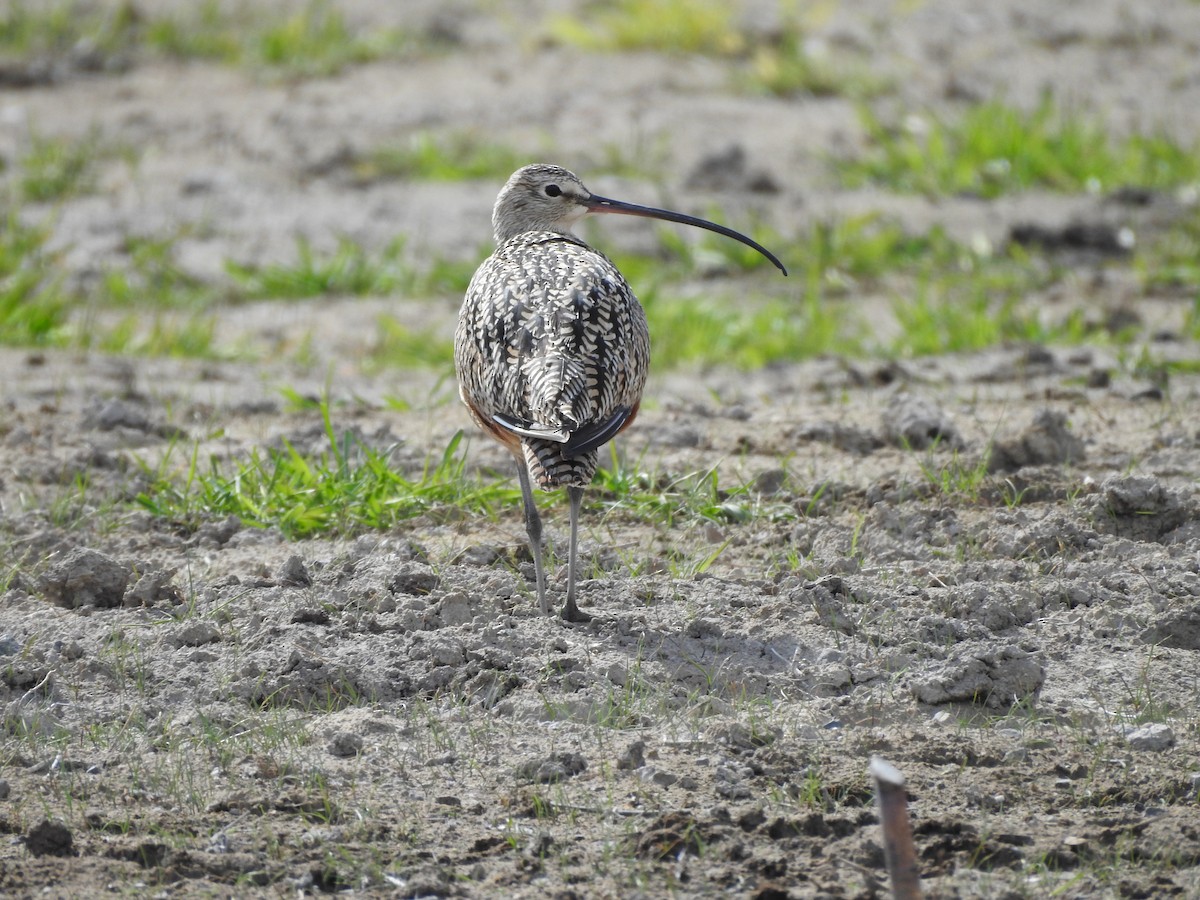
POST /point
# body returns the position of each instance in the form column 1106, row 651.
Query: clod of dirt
column 671, row 834
column 151, row 589
column 634, row 756
column 345, row 744
column 413, row 579
column 1047, row 441
column 217, row 534
column 997, row 680
column 555, row 768
column 727, row 170
column 1153, row 738
column 116, row 414
column 292, row 573
column 1096, row 237
column 850, row 438
column 50, row 839
column 918, row 423
column 85, row 578
column 1138, row 507
column 195, row 634
column 1179, row 630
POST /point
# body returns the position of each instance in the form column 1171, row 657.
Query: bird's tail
column 550, row 468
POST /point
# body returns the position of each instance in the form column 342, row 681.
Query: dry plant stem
column 897, row 833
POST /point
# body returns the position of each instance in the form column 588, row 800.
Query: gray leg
column 570, row 611
column 533, row 526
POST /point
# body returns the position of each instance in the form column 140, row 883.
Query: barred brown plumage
column 552, row 347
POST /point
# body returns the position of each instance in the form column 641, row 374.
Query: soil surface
column 223, row 711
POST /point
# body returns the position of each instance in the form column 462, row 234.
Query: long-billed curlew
column 552, row 347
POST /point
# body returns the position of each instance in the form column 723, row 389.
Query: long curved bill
column 598, row 204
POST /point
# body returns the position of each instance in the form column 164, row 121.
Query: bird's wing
column 551, row 343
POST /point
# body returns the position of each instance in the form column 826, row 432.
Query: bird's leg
column 533, row 527
column 570, row 611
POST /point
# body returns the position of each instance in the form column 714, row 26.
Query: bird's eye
column 553, row 190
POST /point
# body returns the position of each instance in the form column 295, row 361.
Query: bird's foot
column 572, row 613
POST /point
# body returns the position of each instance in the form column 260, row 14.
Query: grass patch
column 785, row 68
column 713, row 331
column 670, row 499
column 460, row 156
column 347, row 488
column 994, row 149
column 667, row 26
column 153, row 279
column 33, row 306
column 54, row 169
column 1171, row 261
column 30, row 28
column 403, row 348
column 350, row 270
column 314, row 40
column 190, row 336
column 309, row 40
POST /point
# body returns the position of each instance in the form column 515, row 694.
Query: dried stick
column 898, row 847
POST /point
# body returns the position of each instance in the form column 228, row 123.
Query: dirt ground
column 227, row 712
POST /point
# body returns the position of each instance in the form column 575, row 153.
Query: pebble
column 1154, row 738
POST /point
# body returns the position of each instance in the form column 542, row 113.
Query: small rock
column 1153, row 738
column 5, row 790
column 456, row 609
column 310, row 615
column 664, row 779
column 195, row 634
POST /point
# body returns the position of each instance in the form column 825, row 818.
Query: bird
column 552, row 347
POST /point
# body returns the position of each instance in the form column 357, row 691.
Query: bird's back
column 552, row 349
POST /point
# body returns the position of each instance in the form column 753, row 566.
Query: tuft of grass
column 187, row 337
column 350, row 270
column 57, row 168
column 348, row 488
column 460, row 156
column 153, row 279
column 941, row 318
column 694, row 331
column 313, row 40
column 994, row 148
column 667, row 26
column 785, row 68
column 958, row 478
column 56, row 27
column 403, row 348
column 1171, row 260
column 674, row 499
column 33, row 306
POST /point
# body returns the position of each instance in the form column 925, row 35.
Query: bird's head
column 549, row 198
column 539, row 198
